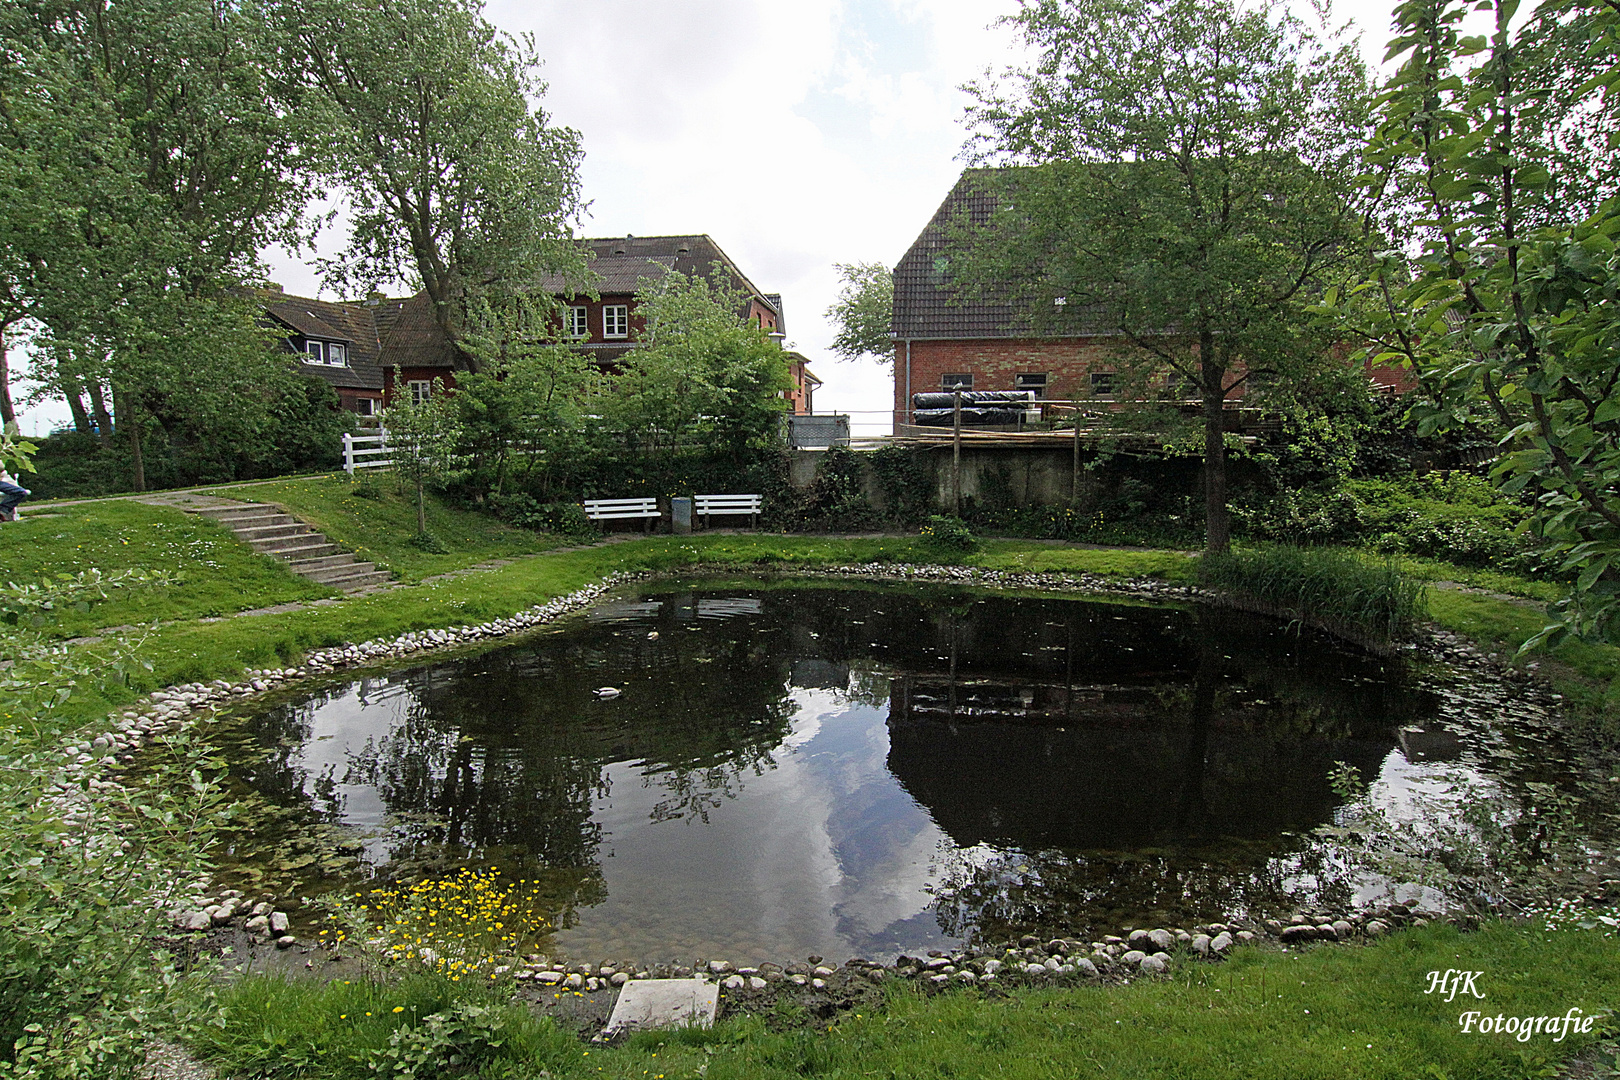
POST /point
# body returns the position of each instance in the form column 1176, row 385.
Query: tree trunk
column 421, row 509
column 128, row 423
column 1217, row 523
column 74, row 393
column 8, row 415
column 98, row 410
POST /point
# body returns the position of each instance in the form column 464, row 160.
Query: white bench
column 704, row 505
column 617, row 509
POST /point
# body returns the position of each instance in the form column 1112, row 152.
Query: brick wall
column 445, row 378
column 995, row 363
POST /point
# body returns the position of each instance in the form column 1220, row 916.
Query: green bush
column 456, row 1042
column 91, row 870
column 1325, row 586
column 559, row 518
column 1456, row 517
column 949, row 533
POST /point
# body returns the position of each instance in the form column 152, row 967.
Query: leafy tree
column 1506, row 305
column 153, row 160
column 423, row 112
column 703, row 374
column 863, row 311
column 524, row 401
column 1189, row 195
column 423, row 437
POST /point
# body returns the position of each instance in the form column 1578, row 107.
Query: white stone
column 651, row 1004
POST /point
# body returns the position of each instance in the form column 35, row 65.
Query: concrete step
column 306, row 564
column 270, row 530
column 338, row 573
column 258, row 521
column 233, row 513
column 293, row 550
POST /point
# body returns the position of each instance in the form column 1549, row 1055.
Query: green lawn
column 215, row 574
column 381, row 529
column 1330, row 1013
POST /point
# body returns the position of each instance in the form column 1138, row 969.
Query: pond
column 786, row 769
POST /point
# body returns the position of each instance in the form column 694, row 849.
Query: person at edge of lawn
column 11, row 496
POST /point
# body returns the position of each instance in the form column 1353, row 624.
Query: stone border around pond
column 1136, row 952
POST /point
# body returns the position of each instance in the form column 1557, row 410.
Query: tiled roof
column 623, row 262
column 354, row 324
column 414, row 337
column 929, row 304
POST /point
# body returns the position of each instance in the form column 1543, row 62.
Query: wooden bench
column 704, row 505
column 619, row 509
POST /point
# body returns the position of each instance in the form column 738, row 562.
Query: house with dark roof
column 951, row 337
column 361, row 348
column 340, row 343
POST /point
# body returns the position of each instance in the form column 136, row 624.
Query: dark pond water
column 844, row 771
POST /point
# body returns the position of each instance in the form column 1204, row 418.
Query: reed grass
column 1328, row 587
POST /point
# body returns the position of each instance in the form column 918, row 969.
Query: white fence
column 366, row 451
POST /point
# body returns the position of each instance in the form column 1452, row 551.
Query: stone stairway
column 273, row 531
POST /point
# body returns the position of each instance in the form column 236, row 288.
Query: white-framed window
column 337, row 355
column 575, row 324
column 1033, row 381
column 316, row 351
column 365, row 406
column 962, row 381
column 1102, row 384
column 616, row 320
column 421, row 390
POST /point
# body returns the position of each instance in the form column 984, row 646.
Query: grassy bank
column 377, row 521
column 1264, row 1015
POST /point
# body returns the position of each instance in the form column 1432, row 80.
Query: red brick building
column 948, row 338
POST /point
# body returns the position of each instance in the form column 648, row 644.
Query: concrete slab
column 650, row 1004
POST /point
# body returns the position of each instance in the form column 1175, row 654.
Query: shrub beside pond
column 1325, row 586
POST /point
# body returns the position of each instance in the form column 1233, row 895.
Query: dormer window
column 316, row 351
column 337, row 355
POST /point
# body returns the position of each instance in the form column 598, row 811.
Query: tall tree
column 1502, row 169
column 863, row 311
column 425, row 115
column 157, row 162
column 1189, row 195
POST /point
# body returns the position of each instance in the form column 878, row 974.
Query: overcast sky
column 796, row 133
